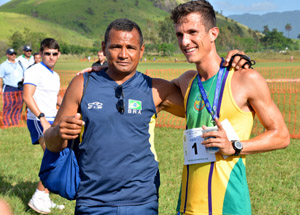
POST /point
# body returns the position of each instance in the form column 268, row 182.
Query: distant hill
column 88, row 17
column 273, row 20
column 10, row 22
column 84, row 23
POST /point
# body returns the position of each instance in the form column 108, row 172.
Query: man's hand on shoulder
column 237, row 59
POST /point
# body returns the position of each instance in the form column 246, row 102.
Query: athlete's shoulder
column 248, row 75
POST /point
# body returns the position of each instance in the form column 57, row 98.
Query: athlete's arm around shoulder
column 67, row 124
column 167, row 97
column 249, row 83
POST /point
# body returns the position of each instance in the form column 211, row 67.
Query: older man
column 119, row 173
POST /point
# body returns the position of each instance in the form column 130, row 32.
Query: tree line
column 161, row 40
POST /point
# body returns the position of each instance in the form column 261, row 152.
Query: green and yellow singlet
column 218, row 187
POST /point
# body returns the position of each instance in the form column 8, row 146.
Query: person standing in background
column 102, row 60
column 37, row 57
column 26, row 59
column 11, row 76
column 41, row 95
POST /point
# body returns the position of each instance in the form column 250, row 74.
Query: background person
column 11, row 76
column 220, row 187
column 41, row 95
column 26, row 59
column 101, row 60
column 37, row 57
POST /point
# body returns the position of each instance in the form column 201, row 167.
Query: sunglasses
column 120, row 104
column 13, row 54
column 51, row 53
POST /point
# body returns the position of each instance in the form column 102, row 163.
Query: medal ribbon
column 212, row 111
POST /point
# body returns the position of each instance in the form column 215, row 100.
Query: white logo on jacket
column 95, row 105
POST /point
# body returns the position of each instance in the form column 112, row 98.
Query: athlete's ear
column 213, row 33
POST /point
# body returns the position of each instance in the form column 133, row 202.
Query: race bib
column 194, row 151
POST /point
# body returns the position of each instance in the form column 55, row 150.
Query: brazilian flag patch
column 134, row 104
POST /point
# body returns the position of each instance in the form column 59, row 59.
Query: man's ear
column 103, row 48
column 214, row 32
column 142, row 51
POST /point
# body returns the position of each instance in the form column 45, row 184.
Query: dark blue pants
column 12, row 105
column 145, row 209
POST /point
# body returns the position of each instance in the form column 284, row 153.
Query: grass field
column 273, row 177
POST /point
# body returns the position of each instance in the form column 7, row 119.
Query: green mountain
column 83, row 23
column 11, row 22
column 88, row 17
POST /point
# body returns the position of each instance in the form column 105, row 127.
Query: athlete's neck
column 209, row 68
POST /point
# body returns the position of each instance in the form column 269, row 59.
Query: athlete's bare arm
column 251, row 93
column 67, row 124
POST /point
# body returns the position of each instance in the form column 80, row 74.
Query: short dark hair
column 49, row 43
column 123, row 25
column 203, row 7
column 36, row 53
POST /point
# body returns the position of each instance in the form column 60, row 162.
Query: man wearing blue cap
column 26, row 59
column 11, row 75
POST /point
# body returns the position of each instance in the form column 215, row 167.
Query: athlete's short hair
column 203, row 7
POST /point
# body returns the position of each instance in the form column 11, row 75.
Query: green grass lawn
column 273, row 177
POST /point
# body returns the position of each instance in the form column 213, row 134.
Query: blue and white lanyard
column 212, row 111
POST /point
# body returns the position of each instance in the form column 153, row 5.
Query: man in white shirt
column 26, row 59
column 41, row 95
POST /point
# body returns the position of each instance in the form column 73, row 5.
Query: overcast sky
column 230, row 7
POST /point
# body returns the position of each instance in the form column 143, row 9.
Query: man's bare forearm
column 53, row 140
